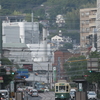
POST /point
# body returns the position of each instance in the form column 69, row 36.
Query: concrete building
column 20, row 32
column 87, row 25
column 98, row 24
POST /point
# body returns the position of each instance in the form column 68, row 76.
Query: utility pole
column 48, row 74
column 58, row 67
column 1, row 39
column 32, row 27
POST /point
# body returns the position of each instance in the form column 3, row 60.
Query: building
column 98, row 24
column 20, row 32
column 87, row 26
column 61, row 57
column 17, row 53
column 59, row 41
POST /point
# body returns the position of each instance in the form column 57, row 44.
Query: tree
column 6, row 78
column 76, row 67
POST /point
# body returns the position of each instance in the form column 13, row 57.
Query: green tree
column 76, row 67
column 6, row 78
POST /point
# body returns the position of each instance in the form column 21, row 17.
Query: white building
column 57, row 38
column 98, row 24
column 20, row 32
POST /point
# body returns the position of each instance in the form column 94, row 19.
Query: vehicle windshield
column 72, row 92
column 91, row 93
column 34, row 91
column 61, row 87
column 41, row 86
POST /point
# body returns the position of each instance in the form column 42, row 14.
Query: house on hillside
column 59, row 41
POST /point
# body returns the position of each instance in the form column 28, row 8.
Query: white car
column 91, row 95
column 46, row 89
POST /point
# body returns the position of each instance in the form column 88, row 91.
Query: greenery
column 76, row 67
column 6, row 78
column 41, row 8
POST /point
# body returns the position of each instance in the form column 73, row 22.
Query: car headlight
column 62, row 95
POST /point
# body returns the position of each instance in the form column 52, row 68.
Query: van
column 34, row 93
column 4, row 94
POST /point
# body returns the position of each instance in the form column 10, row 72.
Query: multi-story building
column 20, row 32
column 87, row 26
column 98, row 24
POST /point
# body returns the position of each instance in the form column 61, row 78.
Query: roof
column 14, row 45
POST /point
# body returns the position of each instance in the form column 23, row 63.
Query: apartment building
column 87, row 26
column 98, row 24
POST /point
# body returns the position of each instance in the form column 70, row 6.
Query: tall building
column 20, row 32
column 87, row 26
column 98, row 24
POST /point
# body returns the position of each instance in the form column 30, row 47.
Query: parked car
column 91, row 95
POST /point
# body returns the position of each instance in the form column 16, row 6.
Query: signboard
column 54, row 74
column 28, row 66
column 12, row 86
column 1, row 79
column 8, row 70
column 22, row 72
column 80, row 87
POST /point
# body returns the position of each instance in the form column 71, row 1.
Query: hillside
column 48, row 9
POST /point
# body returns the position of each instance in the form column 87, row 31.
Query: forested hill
column 58, row 6
column 68, row 8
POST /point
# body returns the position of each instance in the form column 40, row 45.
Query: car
column 34, row 93
column 46, row 89
column 91, row 95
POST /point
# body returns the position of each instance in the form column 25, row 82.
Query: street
column 42, row 96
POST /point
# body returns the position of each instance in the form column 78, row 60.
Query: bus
column 40, row 86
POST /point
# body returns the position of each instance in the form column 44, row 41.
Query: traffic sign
column 8, row 69
column 14, row 69
column 22, row 72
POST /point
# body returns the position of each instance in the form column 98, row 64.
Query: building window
column 87, row 13
column 87, row 21
column 82, row 14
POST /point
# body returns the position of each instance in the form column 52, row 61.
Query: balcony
column 92, row 24
column 92, row 16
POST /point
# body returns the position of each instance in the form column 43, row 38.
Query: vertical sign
column 12, row 86
column 80, row 87
column 54, row 74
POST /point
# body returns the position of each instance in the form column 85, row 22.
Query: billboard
column 28, row 66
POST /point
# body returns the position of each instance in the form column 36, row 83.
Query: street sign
column 14, row 69
column 23, row 72
column 8, row 69
column 7, row 73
